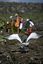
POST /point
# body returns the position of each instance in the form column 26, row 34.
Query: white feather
column 27, row 43
column 14, row 37
column 33, row 35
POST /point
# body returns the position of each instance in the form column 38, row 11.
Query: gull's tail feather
column 26, row 44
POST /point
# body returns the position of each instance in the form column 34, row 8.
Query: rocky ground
column 11, row 53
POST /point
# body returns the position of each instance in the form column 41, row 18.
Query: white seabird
column 33, row 35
